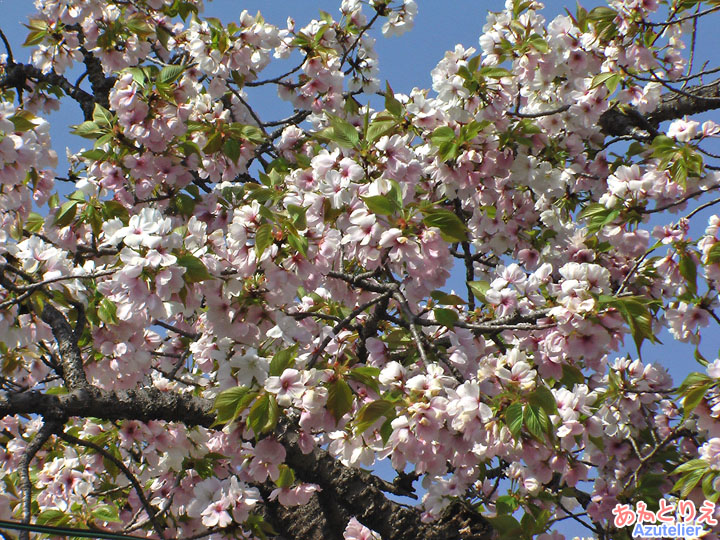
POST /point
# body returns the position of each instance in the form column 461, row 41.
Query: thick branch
column 355, row 489
column 17, row 75
column 73, row 372
column 692, row 100
column 142, row 404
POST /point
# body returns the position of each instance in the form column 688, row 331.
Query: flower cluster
column 277, row 291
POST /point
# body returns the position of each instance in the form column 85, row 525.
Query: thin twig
column 680, row 201
column 10, row 59
column 677, row 21
column 159, row 528
column 702, row 207
column 692, row 46
column 359, row 37
column 412, row 318
column 342, row 324
column 184, row 333
column 48, row 428
column 277, row 79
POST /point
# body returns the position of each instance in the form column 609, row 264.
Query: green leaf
column 381, row 125
column 514, row 418
column 229, row 404
column 195, row 269
column 263, row 415
column 536, row 420
column 113, row 209
column 693, row 398
column 107, row 311
column 101, row 116
column 138, row 74
column 88, row 130
column 679, row 172
column 380, row 205
column 298, row 243
column 663, row 147
column 247, row 132
column 602, row 13
column 506, row 504
column 366, row 375
column 282, row 360
column 34, row 38
column 96, row 154
column 494, row 72
column 695, row 379
column 259, row 527
column 395, row 194
column 371, row 412
column 543, row 397
column 447, row 299
column 286, row 478
column 688, row 270
column 708, row 486
column 138, row 24
column 342, row 132
column 635, row 312
column 52, row 517
column 442, row 135
column 507, row 526
column 22, row 121
column 538, row 43
column 340, row 398
column 571, row 376
column 107, row 513
column 214, row 143
column 297, row 216
column 689, row 482
column 231, row 149
column 184, row 204
column 451, row 228
column 601, row 78
column 713, row 256
column 597, row 216
column 479, row 288
column 446, row 317
column 170, row 74
column 66, row 214
column 263, row 238
column 34, row 222
column 392, row 105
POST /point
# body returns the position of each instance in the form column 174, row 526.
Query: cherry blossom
column 219, row 318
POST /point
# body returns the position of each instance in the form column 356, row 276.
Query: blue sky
column 405, row 62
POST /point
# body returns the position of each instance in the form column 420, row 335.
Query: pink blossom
column 287, row 387
column 357, row 531
column 294, row 496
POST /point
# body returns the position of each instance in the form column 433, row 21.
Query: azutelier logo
column 681, row 520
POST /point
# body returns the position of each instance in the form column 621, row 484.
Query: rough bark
column 673, row 105
column 354, row 492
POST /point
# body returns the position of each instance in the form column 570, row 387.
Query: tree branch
column 354, row 489
column 46, row 431
column 673, row 105
column 157, row 525
column 17, row 75
column 67, row 340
